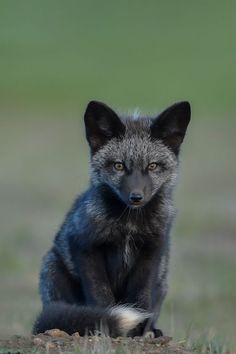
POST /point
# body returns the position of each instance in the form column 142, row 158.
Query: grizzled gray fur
column 108, row 265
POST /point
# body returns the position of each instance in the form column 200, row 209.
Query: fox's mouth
column 135, row 205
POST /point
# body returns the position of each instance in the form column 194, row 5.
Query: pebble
column 50, row 345
column 38, row 341
column 56, row 333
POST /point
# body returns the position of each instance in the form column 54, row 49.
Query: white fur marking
column 129, row 317
column 162, row 267
column 127, row 250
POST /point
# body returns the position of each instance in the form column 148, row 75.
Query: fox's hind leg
column 56, row 283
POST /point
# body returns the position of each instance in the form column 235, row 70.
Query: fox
column 106, row 271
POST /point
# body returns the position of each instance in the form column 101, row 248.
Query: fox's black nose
column 135, row 198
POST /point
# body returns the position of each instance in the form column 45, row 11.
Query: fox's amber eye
column 119, row 166
column 152, row 166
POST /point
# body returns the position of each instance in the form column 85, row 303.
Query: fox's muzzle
column 135, row 188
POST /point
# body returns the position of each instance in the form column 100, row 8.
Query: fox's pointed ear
column 170, row 126
column 102, row 124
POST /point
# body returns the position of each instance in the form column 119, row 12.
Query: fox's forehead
column 136, row 151
column 137, row 125
column 136, row 148
column 140, row 151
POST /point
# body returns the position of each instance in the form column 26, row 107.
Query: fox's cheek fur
column 107, row 176
column 163, row 178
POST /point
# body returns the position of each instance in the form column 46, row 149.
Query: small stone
column 50, row 345
column 56, row 333
column 163, row 340
column 38, row 341
column 138, row 339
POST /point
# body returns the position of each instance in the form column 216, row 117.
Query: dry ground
column 56, row 341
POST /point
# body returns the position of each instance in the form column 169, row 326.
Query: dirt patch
column 56, row 341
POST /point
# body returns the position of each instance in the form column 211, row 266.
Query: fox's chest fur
column 120, row 259
column 127, row 242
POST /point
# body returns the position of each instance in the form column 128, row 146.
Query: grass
column 102, row 345
column 55, row 57
column 127, row 53
column 210, row 346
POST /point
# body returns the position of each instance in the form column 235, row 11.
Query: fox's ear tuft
column 171, row 125
column 102, row 124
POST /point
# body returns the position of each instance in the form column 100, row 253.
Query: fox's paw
column 157, row 332
column 154, row 333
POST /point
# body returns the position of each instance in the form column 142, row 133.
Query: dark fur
column 70, row 317
column 109, row 251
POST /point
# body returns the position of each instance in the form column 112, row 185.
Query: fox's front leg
column 92, row 273
column 145, row 290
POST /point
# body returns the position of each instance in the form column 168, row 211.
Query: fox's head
column 135, row 157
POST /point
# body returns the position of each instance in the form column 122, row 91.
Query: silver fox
column 107, row 269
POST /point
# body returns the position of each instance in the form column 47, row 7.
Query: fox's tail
column 115, row 321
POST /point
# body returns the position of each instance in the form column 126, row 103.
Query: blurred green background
column 55, row 56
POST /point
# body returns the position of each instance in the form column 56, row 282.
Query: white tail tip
column 128, row 317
